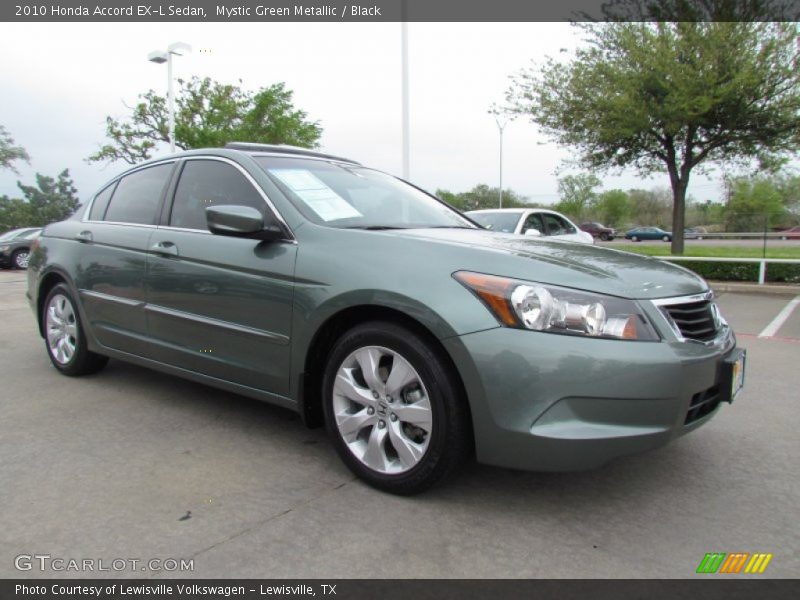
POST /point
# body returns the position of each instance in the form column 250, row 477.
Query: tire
column 634, row 238
column 19, row 260
column 370, row 424
column 64, row 338
column 666, row 238
column 604, row 237
column 784, row 238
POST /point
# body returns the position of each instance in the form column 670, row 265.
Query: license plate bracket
column 732, row 375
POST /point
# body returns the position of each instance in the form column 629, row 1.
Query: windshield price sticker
column 329, row 205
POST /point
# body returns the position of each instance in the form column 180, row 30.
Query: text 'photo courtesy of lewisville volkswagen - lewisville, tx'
column 414, row 298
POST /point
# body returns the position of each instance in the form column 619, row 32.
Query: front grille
column 695, row 320
column 702, row 404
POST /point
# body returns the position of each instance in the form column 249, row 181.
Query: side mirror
column 533, row 232
column 241, row 221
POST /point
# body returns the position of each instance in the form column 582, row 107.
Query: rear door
column 220, row 305
column 112, row 257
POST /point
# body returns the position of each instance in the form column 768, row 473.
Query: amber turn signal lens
column 494, row 291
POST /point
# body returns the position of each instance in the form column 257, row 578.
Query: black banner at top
column 149, row 11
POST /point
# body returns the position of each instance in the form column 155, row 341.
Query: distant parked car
column 637, row 234
column 791, row 234
column 694, row 233
column 15, row 247
column 598, row 230
column 531, row 221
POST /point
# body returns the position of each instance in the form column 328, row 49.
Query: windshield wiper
column 450, row 227
column 374, row 227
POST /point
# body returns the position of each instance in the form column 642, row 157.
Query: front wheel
column 604, row 237
column 394, row 409
column 64, row 336
column 634, row 238
column 666, row 238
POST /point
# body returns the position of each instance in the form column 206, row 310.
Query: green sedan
column 368, row 306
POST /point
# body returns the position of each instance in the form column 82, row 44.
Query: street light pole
column 501, row 127
column 161, row 57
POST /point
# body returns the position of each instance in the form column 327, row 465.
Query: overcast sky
column 61, row 80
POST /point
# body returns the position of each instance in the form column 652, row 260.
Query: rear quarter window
column 137, row 196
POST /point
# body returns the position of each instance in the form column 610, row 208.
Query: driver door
column 220, row 305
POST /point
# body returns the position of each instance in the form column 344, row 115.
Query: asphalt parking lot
column 131, row 463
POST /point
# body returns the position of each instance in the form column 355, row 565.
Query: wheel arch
column 326, row 335
column 46, row 283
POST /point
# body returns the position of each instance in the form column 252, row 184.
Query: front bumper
column 549, row 402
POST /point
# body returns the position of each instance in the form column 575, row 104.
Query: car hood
column 562, row 263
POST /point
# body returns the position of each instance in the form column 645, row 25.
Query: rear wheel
column 64, row 336
column 20, row 259
column 393, row 408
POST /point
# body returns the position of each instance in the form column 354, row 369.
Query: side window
column 100, row 203
column 137, row 196
column 564, row 225
column 205, row 183
column 551, row 225
column 533, row 221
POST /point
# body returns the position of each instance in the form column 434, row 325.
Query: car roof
column 232, row 149
column 286, row 149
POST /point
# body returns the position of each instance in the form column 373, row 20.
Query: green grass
column 716, row 251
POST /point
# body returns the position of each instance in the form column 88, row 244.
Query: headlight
column 539, row 307
column 5, row 248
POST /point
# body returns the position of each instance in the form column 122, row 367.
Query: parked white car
column 531, row 221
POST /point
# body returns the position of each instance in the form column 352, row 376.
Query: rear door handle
column 165, row 248
column 84, row 236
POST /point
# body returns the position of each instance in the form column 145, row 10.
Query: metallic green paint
column 241, row 314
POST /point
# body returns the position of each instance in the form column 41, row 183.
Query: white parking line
column 780, row 319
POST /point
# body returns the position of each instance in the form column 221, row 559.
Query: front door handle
column 165, row 248
column 84, row 236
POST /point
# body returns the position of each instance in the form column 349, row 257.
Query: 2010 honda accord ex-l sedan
column 363, row 303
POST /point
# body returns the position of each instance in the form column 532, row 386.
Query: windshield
column 10, row 235
column 496, row 221
column 349, row 196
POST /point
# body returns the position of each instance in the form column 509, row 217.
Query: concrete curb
column 739, row 287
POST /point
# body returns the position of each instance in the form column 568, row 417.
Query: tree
column 50, row 200
column 14, row 213
column 576, row 192
column 671, row 96
column 10, row 153
column 704, row 213
column 612, row 208
column 756, row 204
column 208, row 114
column 650, row 207
column 482, row 196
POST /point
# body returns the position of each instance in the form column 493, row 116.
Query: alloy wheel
column 382, row 410
column 21, row 260
column 61, row 328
